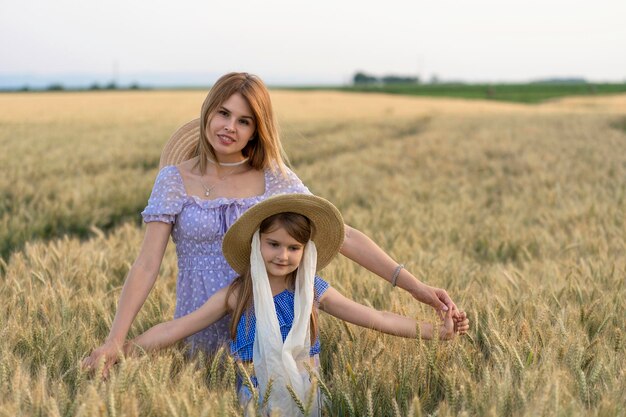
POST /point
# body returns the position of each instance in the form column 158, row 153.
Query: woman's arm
column 166, row 334
column 335, row 304
column 138, row 284
column 362, row 250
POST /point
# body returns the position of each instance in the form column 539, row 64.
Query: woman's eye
column 244, row 122
column 222, row 112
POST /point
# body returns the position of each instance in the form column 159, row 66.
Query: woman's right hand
column 105, row 356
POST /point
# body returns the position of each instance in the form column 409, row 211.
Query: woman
column 233, row 162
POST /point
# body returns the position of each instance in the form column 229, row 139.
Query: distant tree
column 111, row 86
column 363, row 78
column 396, row 79
column 94, row 86
column 55, row 87
column 134, row 86
column 571, row 80
column 24, row 88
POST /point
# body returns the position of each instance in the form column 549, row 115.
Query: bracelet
column 395, row 275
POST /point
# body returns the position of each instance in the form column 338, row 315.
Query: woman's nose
column 230, row 125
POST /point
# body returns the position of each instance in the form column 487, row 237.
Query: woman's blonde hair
column 264, row 148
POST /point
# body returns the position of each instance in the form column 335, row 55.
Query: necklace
column 229, row 164
column 207, row 190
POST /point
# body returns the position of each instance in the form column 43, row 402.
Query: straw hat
column 182, row 144
column 327, row 230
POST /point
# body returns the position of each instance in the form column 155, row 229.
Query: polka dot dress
column 198, row 230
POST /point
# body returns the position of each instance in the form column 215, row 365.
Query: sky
column 187, row 42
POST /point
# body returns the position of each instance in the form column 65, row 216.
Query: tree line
column 361, row 78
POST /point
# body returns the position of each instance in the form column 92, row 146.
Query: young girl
column 276, row 247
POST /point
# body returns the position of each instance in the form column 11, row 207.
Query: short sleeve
column 320, row 286
column 287, row 183
column 167, row 198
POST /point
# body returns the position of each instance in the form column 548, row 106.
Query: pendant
column 207, row 193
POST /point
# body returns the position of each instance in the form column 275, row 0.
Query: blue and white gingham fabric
column 241, row 347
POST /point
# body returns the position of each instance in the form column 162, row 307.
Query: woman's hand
column 437, row 298
column 107, row 355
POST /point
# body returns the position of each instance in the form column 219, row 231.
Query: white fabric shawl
column 283, row 363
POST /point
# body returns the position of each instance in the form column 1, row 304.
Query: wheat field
column 518, row 211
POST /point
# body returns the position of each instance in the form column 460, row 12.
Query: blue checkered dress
column 241, row 347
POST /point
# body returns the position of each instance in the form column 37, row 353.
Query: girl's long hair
column 264, row 148
column 298, row 227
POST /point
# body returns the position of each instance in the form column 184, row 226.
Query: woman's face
column 230, row 129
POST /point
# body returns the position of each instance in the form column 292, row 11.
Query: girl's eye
column 294, row 248
column 244, row 122
column 222, row 112
column 274, row 244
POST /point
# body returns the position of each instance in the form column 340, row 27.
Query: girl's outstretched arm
column 333, row 303
column 166, row 334
column 362, row 250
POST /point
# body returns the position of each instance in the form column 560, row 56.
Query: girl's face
column 230, row 129
column 281, row 253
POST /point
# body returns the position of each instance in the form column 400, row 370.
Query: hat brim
column 182, row 145
column 328, row 227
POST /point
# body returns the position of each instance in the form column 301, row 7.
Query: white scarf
column 283, row 363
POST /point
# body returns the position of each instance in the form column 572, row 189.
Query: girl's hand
column 447, row 329
column 461, row 323
column 108, row 353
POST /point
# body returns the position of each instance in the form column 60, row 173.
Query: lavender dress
column 198, row 230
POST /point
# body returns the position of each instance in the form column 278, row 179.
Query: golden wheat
column 519, row 211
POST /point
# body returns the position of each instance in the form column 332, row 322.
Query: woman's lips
column 226, row 139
